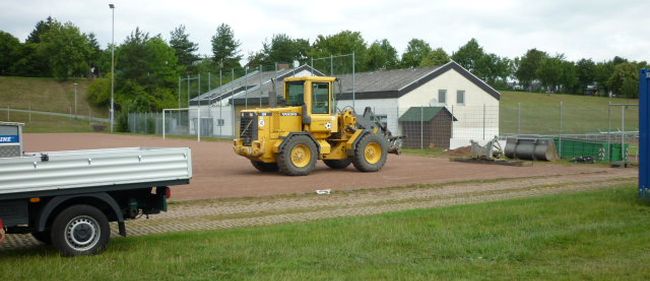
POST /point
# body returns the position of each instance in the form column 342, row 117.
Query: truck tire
column 370, row 153
column 298, row 156
column 265, row 167
column 338, row 164
column 80, row 230
column 43, row 237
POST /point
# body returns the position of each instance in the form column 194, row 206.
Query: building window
column 460, row 97
column 442, row 96
column 220, row 122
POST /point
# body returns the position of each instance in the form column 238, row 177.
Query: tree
column 95, row 56
column 528, row 64
column 41, row 28
column 225, row 48
column 416, row 51
column 184, row 48
column 281, row 49
column 550, row 72
column 569, row 77
column 342, row 43
column 381, row 55
column 625, row 80
column 67, row 50
column 436, row 57
column 586, row 73
column 146, row 72
column 472, row 57
column 9, row 48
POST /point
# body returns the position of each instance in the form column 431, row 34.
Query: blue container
column 644, row 134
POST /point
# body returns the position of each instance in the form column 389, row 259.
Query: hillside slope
column 49, row 95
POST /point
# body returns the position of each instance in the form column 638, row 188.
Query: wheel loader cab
column 316, row 96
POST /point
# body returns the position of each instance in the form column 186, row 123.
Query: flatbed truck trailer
column 68, row 198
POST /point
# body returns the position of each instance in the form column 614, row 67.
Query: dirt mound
column 461, row 151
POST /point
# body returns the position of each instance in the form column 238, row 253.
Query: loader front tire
column 338, row 164
column 298, row 156
column 370, row 153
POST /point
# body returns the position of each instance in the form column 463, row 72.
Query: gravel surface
column 219, row 173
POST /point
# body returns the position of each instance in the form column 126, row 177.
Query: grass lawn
column 540, row 113
column 599, row 235
column 47, row 124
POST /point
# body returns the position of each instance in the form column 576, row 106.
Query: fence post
column 452, row 121
column 623, row 133
column 30, row 112
column 163, row 124
column 609, row 130
column 483, row 121
column 198, row 122
column 561, row 128
column 518, row 118
column 421, row 128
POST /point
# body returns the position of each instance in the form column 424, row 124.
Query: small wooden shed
column 427, row 127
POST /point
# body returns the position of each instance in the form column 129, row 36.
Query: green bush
column 99, row 92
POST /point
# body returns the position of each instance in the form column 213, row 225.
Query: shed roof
column 424, row 113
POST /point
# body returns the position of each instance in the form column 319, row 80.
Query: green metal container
column 572, row 148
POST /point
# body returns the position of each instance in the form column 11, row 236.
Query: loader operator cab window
column 320, row 99
column 296, row 93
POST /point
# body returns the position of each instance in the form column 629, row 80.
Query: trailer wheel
column 80, row 230
column 265, row 167
column 338, row 164
column 370, row 153
column 43, row 237
column 298, row 157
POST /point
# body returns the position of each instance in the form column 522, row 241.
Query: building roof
column 253, row 85
column 396, row 83
column 424, row 113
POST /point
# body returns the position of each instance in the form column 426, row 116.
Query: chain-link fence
column 579, row 125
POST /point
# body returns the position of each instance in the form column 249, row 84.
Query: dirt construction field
column 219, row 173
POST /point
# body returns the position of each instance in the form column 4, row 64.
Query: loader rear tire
column 265, row 167
column 370, row 153
column 298, row 156
column 338, row 164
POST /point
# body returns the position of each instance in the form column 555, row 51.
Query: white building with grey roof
column 391, row 93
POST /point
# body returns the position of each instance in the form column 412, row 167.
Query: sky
column 596, row 29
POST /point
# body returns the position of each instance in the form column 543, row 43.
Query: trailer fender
column 57, row 201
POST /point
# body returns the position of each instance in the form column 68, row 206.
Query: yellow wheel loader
column 307, row 128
